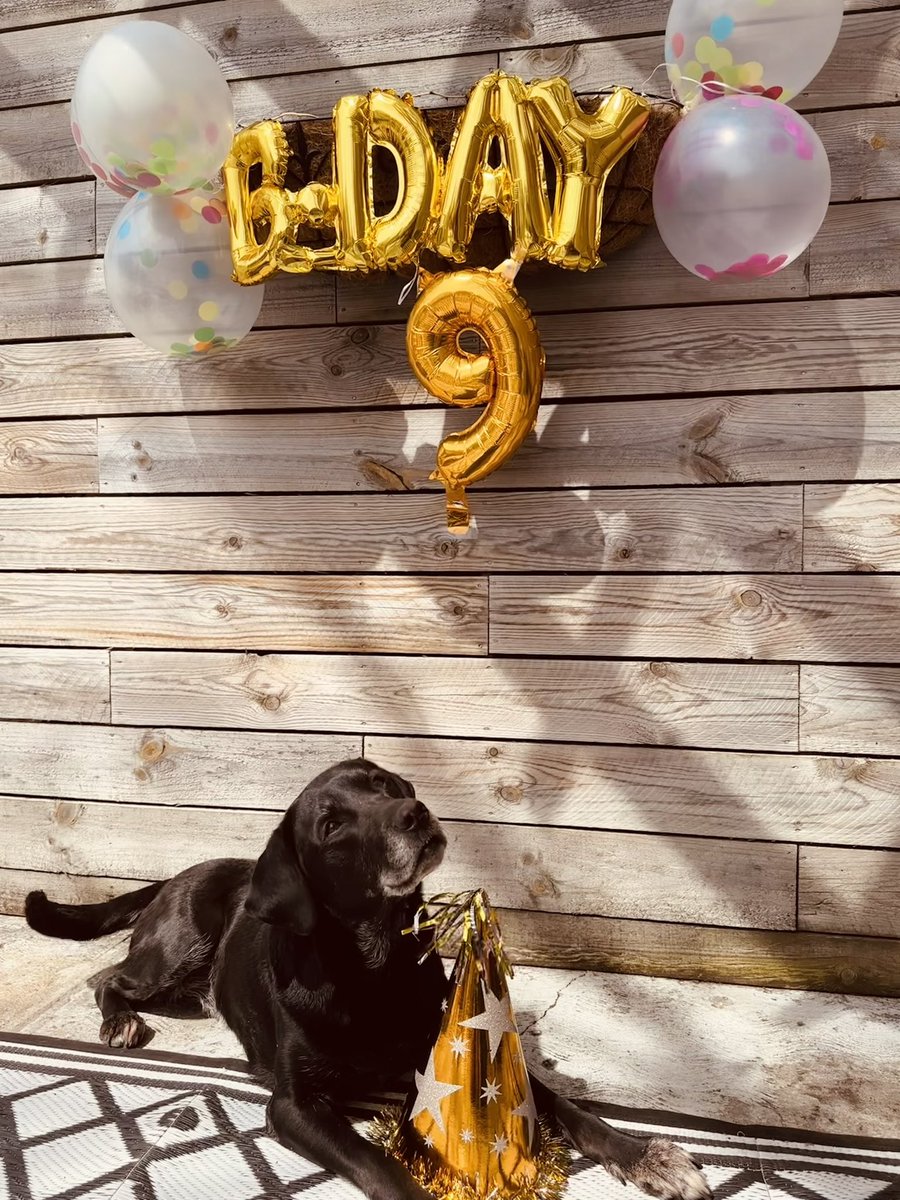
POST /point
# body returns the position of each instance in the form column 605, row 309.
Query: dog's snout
column 412, row 814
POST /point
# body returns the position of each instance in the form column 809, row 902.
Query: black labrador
column 303, row 954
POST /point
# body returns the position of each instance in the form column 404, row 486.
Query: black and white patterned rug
column 79, row 1124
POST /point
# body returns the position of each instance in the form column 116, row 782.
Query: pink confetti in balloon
column 678, row 44
column 757, row 266
column 76, row 132
column 212, row 215
column 146, row 179
column 99, row 172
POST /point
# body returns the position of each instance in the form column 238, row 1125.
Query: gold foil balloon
column 268, row 224
column 394, row 239
column 495, row 113
column 506, row 377
column 496, row 163
column 469, row 1129
column 585, row 148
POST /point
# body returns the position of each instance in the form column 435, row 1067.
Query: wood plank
column 66, row 889
column 740, row 706
column 864, row 150
column 202, row 767
column 298, row 37
column 44, row 456
column 55, row 299
column 644, row 789
column 764, row 958
column 49, row 12
column 695, row 880
column 730, row 883
column 68, row 299
column 852, row 528
column 863, row 69
column 849, row 891
column 646, row 275
column 570, row 530
column 54, row 685
column 851, row 710
column 54, row 221
column 680, row 440
column 36, row 144
column 292, row 38
column 355, row 615
column 827, row 344
column 783, row 617
column 857, row 250
column 805, row 961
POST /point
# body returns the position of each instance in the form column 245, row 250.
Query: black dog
column 303, row 954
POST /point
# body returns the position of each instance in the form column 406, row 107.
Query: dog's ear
column 279, row 891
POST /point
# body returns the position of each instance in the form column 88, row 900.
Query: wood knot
column 270, row 703
column 864, row 568
column 659, row 669
column 878, row 141
column 706, row 426
column 230, row 34
column 152, row 747
column 510, row 794
column 336, row 369
column 42, row 237
column 750, row 598
column 624, row 552
column 448, row 548
column 528, row 859
column 234, row 542
column 66, row 812
column 359, row 336
column 493, row 752
column 543, row 885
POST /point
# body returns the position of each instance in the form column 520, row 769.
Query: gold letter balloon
column 436, row 207
column 506, row 377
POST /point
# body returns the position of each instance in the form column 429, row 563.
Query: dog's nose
column 411, row 815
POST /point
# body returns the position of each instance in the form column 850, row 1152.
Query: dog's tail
column 80, row 922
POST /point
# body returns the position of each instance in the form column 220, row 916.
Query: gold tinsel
column 551, row 1163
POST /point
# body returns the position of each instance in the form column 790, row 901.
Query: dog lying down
column 302, row 954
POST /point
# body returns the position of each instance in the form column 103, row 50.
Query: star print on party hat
column 470, row 1129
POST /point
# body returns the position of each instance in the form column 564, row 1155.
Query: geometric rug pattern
column 77, row 1123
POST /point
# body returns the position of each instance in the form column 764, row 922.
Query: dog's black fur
column 303, row 954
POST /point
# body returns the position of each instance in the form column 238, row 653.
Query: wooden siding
column 654, row 695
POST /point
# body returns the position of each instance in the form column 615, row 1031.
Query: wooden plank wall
column 655, row 698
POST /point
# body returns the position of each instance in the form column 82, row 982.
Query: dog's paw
column 666, row 1171
column 124, row 1030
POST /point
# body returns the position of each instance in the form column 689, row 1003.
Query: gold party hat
column 469, row 1129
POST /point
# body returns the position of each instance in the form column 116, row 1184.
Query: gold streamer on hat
column 469, row 1129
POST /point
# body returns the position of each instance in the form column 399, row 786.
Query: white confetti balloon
column 168, row 275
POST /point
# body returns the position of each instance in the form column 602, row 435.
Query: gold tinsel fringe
column 552, row 1161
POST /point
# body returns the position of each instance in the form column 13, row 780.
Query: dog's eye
column 330, row 826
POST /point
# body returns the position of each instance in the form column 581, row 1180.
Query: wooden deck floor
column 798, row 1059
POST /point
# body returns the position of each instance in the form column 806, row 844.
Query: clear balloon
column 771, row 47
column 168, row 275
column 741, row 188
column 151, row 111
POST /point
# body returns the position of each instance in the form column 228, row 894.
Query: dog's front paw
column 664, row 1170
column 124, row 1030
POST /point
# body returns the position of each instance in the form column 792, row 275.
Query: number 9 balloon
column 771, row 47
column 506, row 377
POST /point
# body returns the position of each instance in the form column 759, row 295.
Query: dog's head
column 354, row 837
